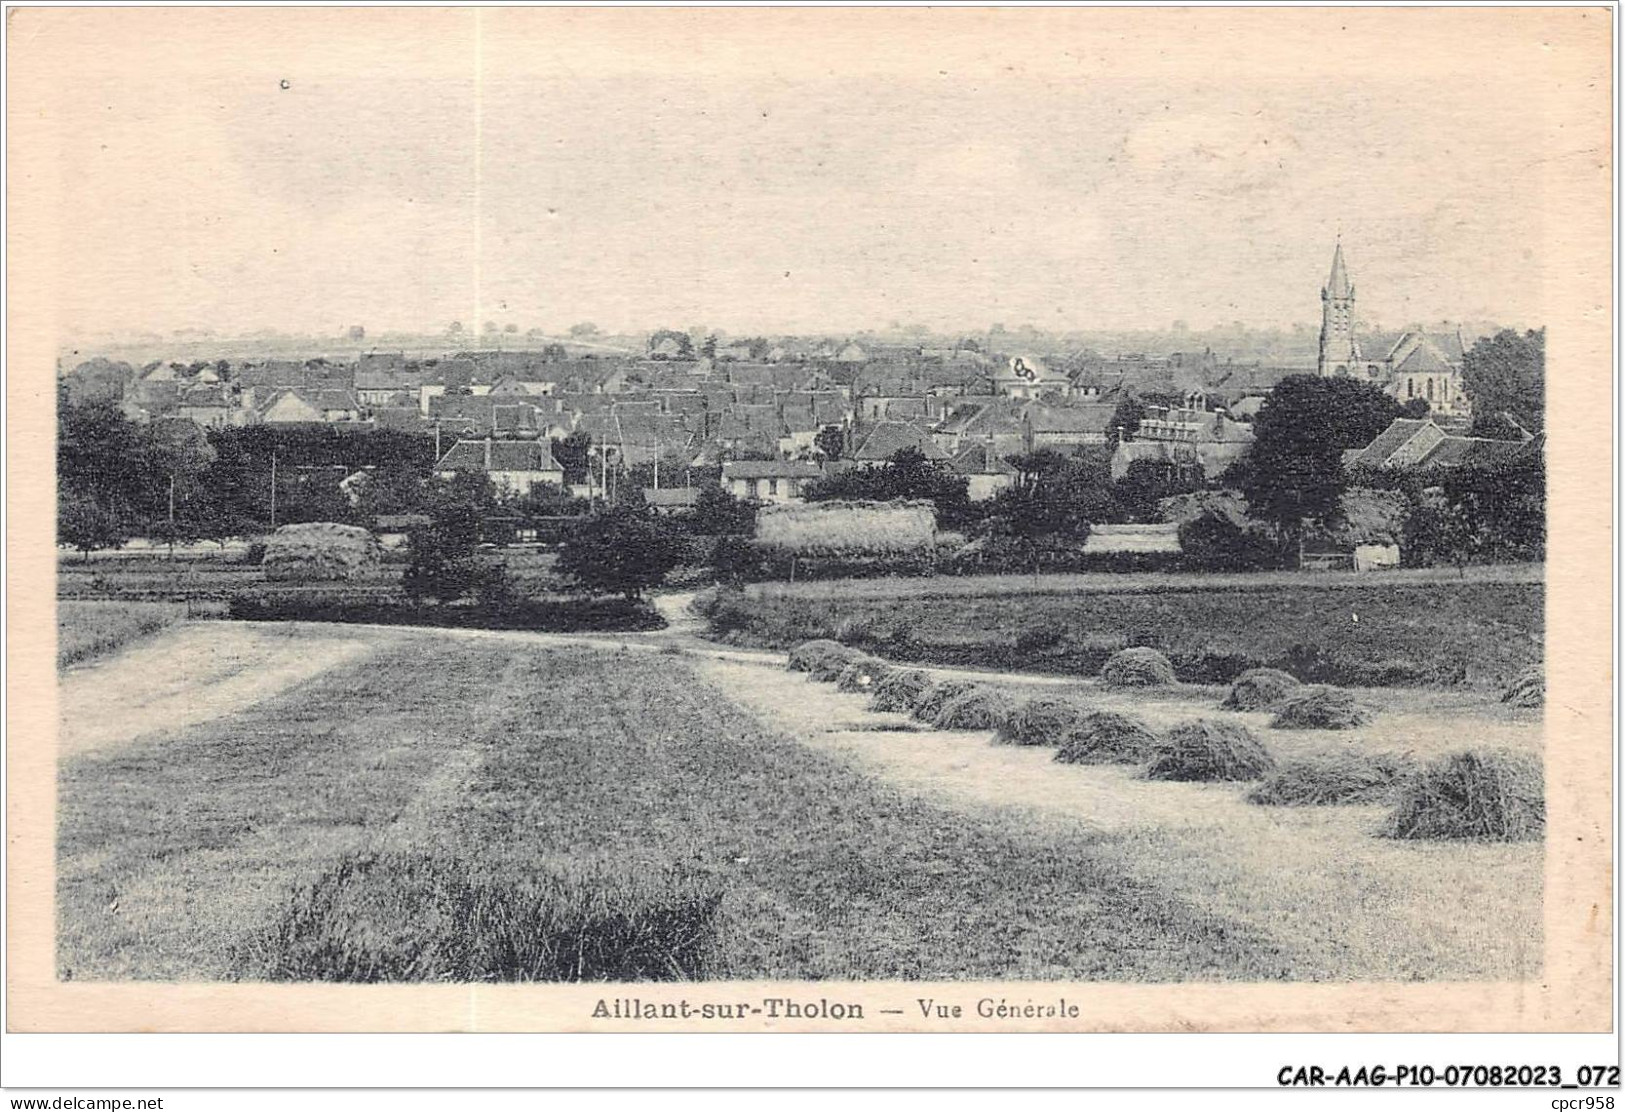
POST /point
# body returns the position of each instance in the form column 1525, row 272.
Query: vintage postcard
column 860, row 520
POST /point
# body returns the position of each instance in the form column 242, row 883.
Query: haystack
column 862, row 674
column 1209, row 749
column 1107, row 737
column 319, row 551
column 1482, row 795
column 809, row 654
column 1319, row 707
column 980, row 708
column 848, row 528
column 1041, row 720
column 826, row 664
column 1333, row 777
column 931, row 702
column 1528, row 688
column 901, row 690
column 1259, row 689
column 1139, row 667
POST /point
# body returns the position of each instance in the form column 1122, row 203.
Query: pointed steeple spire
column 1338, row 284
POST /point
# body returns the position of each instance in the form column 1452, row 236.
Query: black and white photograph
column 812, row 520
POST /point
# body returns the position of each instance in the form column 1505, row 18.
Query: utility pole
column 172, row 515
column 273, row 489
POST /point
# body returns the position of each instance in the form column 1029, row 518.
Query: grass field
column 477, row 809
column 89, row 629
column 1396, row 629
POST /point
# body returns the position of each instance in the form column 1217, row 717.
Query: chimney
column 488, row 451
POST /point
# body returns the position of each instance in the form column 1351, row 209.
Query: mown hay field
column 1394, row 630
column 89, row 629
column 597, row 816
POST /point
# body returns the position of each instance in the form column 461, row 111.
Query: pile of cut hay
column 1259, row 689
column 319, row 551
column 901, row 690
column 808, row 655
column 1140, row 667
column 825, row 662
column 930, row 704
column 1333, row 777
column 1319, row 708
column 980, row 708
column 1209, row 749
column 1106, row 737
column 862, row 674
column 1482, row 794
column 848, row 528
column 1041, row 720
column 1528, row 688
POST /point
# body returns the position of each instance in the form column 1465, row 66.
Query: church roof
column 1338, row 284
column 1424, row 357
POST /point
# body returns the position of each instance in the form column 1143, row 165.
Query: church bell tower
column 1338, row 354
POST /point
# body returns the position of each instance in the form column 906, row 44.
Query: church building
column 1411, row 364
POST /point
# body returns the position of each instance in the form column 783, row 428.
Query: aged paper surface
column 210, row 77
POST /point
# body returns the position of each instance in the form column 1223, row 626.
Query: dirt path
column 1353, row 904
column 194, row 673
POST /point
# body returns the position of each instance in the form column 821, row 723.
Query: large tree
column 87, row 523
column 830, row 441
column 620, row 552
column 1506, row 373
column 1126, row 420
column 444, row 562
column 1051, row 508
column 1293, row 474
column 573, row 453
column 908, row 474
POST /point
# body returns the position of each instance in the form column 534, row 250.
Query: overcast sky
column 306, row 170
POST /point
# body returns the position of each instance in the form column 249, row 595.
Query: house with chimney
column 514, row 467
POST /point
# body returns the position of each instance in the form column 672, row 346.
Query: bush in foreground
column 1480, row 795
column 1527, row 689
column 980, row 708
column 1209, row 749
column 1259, row 689
column 1338, row 776
column 1041, row 720
column 901, row 690
column 1319, row 708
column 415, row 918
column 1137, row 667
column 1107, row 737
column 861, row 675
column 931, row 702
